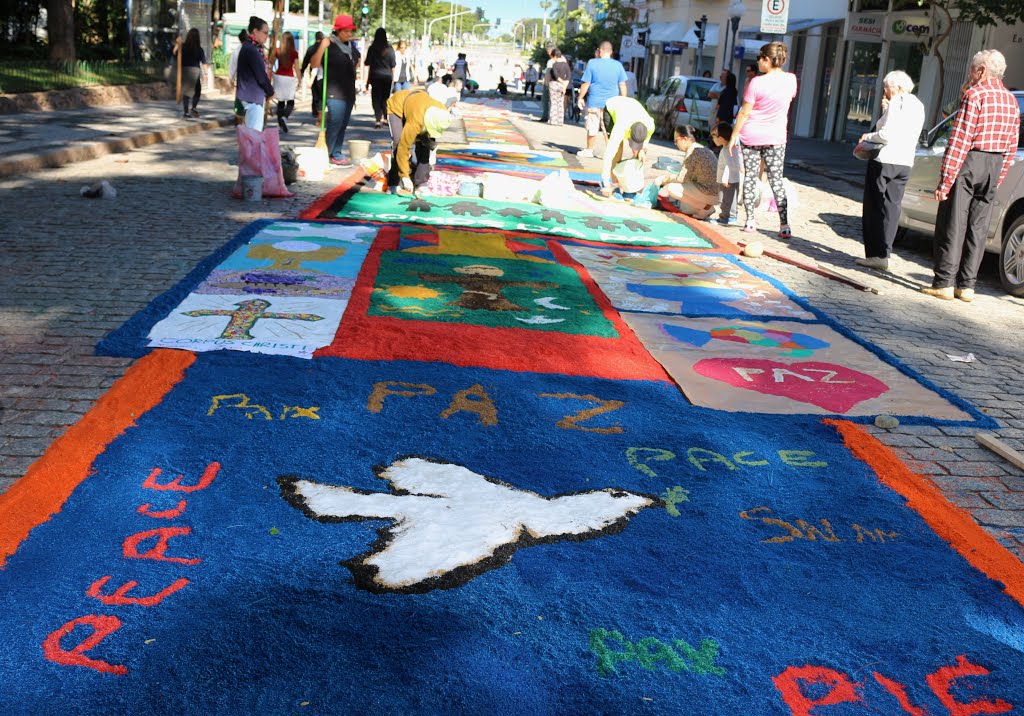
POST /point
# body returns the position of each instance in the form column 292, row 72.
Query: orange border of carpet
column 320, row 205
column 51, row 479
column 951, row 523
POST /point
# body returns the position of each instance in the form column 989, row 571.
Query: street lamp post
column 736, row 10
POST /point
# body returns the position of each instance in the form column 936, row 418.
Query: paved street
column 77, row 268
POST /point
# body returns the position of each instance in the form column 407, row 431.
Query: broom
column 177, row 81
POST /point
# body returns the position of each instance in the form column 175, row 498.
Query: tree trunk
column 60, row 29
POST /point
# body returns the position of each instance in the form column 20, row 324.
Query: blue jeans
column 338, row 113
column 399, row 86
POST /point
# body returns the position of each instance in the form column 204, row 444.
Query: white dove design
column 450, row 524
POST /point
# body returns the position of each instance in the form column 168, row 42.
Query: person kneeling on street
column 696, row 187
column 416, row 121
column 630, row 128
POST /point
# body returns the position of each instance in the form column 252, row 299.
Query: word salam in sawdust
column 649, row 653
column 801, row 529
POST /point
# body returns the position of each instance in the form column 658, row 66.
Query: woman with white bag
column 896, row 133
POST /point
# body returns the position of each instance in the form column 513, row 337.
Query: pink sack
column 259, row 154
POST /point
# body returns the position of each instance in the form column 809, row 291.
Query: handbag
column 867, row 151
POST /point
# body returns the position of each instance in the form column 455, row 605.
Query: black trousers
column 421, row 149
column 884, row 186
column 961, row 227
column 380, row 90
column 318, row 95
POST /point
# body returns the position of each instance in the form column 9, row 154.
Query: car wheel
column 901, row 235
column 1011, row 258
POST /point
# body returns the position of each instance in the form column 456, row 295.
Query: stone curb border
column 91, row 150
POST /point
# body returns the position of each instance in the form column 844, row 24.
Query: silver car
column 1006, row 230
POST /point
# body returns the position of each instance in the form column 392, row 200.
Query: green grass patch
column 28, row 76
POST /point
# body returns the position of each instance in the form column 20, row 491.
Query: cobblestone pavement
column 76, row 269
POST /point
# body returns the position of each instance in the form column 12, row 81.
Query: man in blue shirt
column 603, row 79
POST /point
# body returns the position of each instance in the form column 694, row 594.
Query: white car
column 1006, row 229
column 682, row 99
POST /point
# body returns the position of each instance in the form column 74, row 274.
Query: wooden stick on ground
column 817, row 269
column 1001, row 449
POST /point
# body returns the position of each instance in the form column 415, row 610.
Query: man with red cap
column 342, row 67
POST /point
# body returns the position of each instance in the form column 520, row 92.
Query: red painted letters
column 120, row 594
column 157, row 551
column 211, row 472
column 841, row 688
column 162, row 515
column 103, row 626
column 942, row 680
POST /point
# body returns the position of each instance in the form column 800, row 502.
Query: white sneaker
column 585, row 153
column 874, row 262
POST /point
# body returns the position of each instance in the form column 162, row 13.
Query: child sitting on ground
column 729, row 167
column 502, row 86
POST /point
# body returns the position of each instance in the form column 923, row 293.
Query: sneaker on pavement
column 731, row 221
column 341, row 162
column 194, row 114
column 946, row 294
column 874, row 262
column 585, row 153
column 964, row 294
column 749, row 228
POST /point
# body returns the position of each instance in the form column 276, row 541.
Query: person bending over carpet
column 416, row 121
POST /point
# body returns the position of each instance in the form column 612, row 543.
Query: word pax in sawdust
column 650, row 652
column 148, row 544
column 250, row 409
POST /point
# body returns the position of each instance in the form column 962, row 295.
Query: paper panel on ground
column 508, row 156
column 687, row 283
column 283, row 292
column 455, row 212
column 782, row 367
column 482, row 298
column 699, row 559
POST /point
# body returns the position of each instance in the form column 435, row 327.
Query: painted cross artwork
column 482, row 521
column 282, row 292
column 784, row 367
column 690, row 284
column 457, row 212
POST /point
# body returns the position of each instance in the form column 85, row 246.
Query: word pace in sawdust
column 640, row 458
column 148, row 544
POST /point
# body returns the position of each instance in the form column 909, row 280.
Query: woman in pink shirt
column 761, row 131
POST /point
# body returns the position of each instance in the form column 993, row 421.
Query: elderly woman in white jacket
column 897, row 131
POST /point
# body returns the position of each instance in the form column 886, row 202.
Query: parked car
column 678, row 92
column 1006, row 229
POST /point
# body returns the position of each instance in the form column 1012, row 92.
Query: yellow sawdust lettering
column 473, row 399
column 571, row 422
column 810, row 531
column 384, row 388
column 792, row 532
column 295, row 411
column 242, row 403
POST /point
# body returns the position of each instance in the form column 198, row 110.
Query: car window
column 698, row 90
column 938, row 136
column 673, row 87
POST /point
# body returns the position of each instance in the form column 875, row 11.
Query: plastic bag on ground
column 556, row 191
column 630, row 175
column 259, row 154
column 501, row 187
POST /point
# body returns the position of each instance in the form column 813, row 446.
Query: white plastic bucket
column 312, row 162
column 252, row 188
column 358, row 149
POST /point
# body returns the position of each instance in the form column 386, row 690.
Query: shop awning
column 666, row 32
column 710, row 36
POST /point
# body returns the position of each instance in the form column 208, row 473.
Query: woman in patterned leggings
column 761, row 131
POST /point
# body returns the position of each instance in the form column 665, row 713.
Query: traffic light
column 365, row 10
column 699, row 26
column 479, row 14
column 497, row 22
column 365, row 14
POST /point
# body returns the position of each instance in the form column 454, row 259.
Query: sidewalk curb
column 804, row 166
column 91, row 150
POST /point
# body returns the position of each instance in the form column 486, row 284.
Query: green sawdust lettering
column 650, row 652
column 672, row 497
column 705, row 459
column 639, row 456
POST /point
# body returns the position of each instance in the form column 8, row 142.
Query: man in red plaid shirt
column 981, row 146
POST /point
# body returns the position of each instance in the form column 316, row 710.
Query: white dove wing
column 437, row 535
column 423, row 477
column 335, row 501
column 578, row 514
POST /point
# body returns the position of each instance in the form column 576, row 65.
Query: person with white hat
column 630, row 129
column 416, row 121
